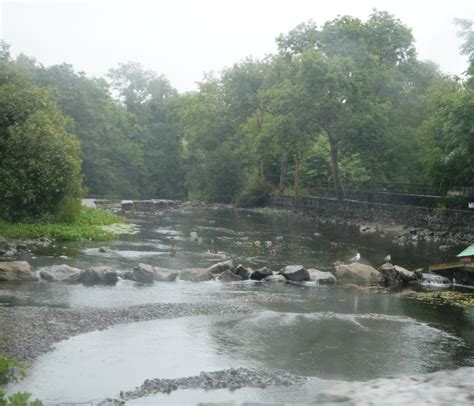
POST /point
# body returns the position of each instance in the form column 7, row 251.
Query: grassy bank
column 86, row 227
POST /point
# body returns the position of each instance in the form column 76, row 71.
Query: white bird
column 356, row 258
column 388, row 258
column 268, row 244
column 257, row 243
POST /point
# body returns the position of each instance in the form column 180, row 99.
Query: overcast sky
column 182, row 39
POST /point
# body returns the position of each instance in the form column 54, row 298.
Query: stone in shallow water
column 243, row 272
column 228, row 276
column 195, row 275
column 144, row 273
column 396, row 275
column 103, row 275
column 221, row 267
column 295, row 273
column 323, row 278
column 261, row 273
column 60, row 273
column 165, row 275
column 275, row 279
column 358, row 274
column 17, row 271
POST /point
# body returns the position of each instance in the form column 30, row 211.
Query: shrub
column 12, row 370
column 39, row 159
column 256, row 194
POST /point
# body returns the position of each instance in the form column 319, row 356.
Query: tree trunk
column 297, row 176
column 281, row 187
column 340, row 193
column 262, row 175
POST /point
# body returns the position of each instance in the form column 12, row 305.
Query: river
column 326, row 333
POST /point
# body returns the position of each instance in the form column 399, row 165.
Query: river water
column 328, row 334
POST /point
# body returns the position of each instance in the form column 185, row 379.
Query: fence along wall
column 450, row 220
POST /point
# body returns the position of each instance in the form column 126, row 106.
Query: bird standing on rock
column 356, row 258
column 388, row 258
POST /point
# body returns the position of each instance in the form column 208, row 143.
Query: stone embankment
column 415, row 224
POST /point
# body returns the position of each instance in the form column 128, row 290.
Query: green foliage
column 256, row 194
column 39, row 159
column 12, row 370
column 85, row 227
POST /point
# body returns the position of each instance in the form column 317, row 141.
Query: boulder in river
column 243, row 272
column 103, row 275
column 295, row 273
column 275, row 279
column 143, row 273
column 395, row 275
column 164, row 275
column 221, row 267
column 261, row 273
column 433, row 279
column 60, row 273
column 358, row 274
column 17, row 271
column 228, row 276
column 322, row 278
column 195, row 275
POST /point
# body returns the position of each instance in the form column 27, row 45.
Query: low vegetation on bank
column 12, row 370
column 85, row 227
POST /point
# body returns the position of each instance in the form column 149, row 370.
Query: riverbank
column 406, row 225
column 30, row 331
column 86, row 227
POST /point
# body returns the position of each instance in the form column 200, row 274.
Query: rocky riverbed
column 29, row 331
column 232, row 379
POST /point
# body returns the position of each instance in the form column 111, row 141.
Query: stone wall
column 450, row 220
column 383, row 197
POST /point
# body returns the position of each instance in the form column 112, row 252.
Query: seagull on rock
column 356, row 258
column 387, row 259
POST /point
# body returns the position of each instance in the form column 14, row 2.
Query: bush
column 39, row 160
column 257, row 194
column 12, row 370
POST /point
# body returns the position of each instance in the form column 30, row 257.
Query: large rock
column 228, row 276
column 103, row 275
column 221, row 267
column 243, row 272
column 322, row 278
column 60, row 273
column 295, row 273
column 165, row 275
column 17, row 271
column 144, row 273
column 431, row 278
column 395, row 275
column 261, row 273
column 358, row 274
column 195, row 275
column 275, row 279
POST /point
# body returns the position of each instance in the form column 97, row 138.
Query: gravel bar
column 29, row 331
column 233, row 378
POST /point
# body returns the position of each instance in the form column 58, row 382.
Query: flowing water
column 327, row 334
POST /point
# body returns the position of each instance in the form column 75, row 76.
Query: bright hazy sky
column 182, row 39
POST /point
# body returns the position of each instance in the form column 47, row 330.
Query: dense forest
column 343, row 103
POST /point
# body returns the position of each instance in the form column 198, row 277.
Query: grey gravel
column 29, row 331
column 232, row 379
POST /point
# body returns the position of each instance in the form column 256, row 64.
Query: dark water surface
column 325, row 333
